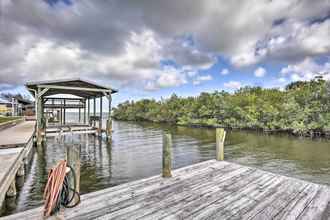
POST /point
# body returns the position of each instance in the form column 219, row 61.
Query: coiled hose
column 57, row 192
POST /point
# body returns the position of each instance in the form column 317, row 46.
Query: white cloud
column 282, row 80
column 260, row 72
column 306, row 70
column 233, row 85
column 201, row 79
column 224, row 71
column 168, row 77
column 42, row 41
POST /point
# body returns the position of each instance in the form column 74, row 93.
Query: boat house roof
column 77, row 87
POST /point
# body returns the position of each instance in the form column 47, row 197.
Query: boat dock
column 207, row 190
column 15, row 147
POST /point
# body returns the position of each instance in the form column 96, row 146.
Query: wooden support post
column 21, row 170
column 61, row 117
column 88, row 109
column 64, row 112
column 12, row 190
column 94, row 112
column 79, row 115
column 109, row 121
column 100, row 122
column 73, row 160
column 39, row 117
column 220, row 141
column 84, row 111
column 167, row 160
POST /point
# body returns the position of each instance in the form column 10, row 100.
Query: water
column 137, row 148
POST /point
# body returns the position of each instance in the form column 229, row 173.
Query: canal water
column 136, row 152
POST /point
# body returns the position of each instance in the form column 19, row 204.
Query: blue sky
column 151, row 49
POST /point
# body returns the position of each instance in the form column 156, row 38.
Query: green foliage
column 301, row 108
column 6, row 119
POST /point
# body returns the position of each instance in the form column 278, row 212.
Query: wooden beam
column 167, row 160
column 85, row 111
column 109, row 121
column 88, row 110
column 64, row 113
column 100, row 122
column 41, row 93
column 220, row 141
column 79, row 119
column 73, row 159
column 74, row 88
column 94, row 112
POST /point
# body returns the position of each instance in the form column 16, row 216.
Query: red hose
column 53, row 187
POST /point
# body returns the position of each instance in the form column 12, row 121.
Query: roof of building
column 76, row 86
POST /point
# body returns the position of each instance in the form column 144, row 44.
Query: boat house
column 54, row 98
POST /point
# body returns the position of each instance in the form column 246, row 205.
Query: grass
column 5, row 119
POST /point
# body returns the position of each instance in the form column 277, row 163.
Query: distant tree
column 304, row 107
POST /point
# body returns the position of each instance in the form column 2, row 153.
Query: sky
column 153, row 48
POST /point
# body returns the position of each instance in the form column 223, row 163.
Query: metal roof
column 71, row 86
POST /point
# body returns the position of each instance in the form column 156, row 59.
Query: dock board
column 15, row 145
column 62, row 130
column 18, row 135
column 207, row 190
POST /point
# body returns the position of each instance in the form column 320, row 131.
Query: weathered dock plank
column 18, row 135
column 15, row 145
column 208, row 190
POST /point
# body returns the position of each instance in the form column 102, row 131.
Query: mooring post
column 39, row 117
column 84, row 111
column 94, row 111
column 100, row 121
column 109, row 121
column 12, row 189
column 21, row 170
column 220, row 141
column 73, row 160
column 167, row 160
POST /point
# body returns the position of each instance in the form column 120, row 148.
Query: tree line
column 302, row 108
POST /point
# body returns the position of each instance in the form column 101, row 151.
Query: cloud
column 167, row 77
column 224, row 71
column 306, row 70
column 201, row 79
column 260, row 72
column 233, row 85
column 126, row 42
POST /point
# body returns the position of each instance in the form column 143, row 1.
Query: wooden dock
column 208, row 190
column 18, row 135
column 15, row 146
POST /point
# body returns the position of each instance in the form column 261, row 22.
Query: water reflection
column 136, row 149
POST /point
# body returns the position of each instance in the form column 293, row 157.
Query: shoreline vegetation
column 301, row 109
column 4, row 119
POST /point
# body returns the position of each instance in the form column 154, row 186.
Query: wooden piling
column 220, row 141
column 100, row 121
column 109, row 120
column 12, row 189
column 21, row 170
column 94, row 111
column 167, row 160
column 39, row 114
column 73, row 160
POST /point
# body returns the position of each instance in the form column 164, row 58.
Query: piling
column 167, row 156
column 220, row 141
column 73, row 160
column 12, row 189
column 21, row 170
